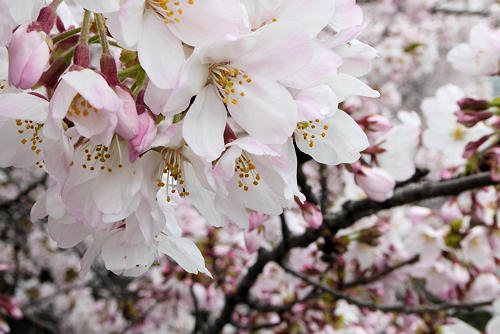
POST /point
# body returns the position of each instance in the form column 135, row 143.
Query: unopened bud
column 29, row 54
column 311, row 213
column 375, row 182
column 81, row 56
column 471, row 118
column 468, row 103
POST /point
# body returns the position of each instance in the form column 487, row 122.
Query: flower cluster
column 209, row 105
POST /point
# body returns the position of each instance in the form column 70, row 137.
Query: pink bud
column 252, row 241
column 312, row 215
column 375, row 182
column 468, row 103
column 378, row 123
column 257, row 219
column 28, row 56
column 128, row 120
column 472, row 147
column 145, row 136
column 471, row 118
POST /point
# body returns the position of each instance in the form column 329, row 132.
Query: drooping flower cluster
column 211, row 101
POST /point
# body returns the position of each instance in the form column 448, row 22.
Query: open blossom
column 476, row 248
column 158, row 36
column 443, row 133
column 240, row 75
column 481, row 56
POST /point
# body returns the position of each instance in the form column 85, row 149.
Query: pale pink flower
column 149, row 27
column 84, row 98
column 22, row 117
column 476, row 248
column 481, row 55
column 254, row 176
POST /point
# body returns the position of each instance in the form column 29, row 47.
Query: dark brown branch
column 323, row 180
column 352, row 211
column 453, row 11
column 196, row 310
column 397, row 308
column 375, row 277
column 254, row 327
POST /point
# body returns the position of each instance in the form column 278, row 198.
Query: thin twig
column 375, row 277
column 254, row 327
column 397, row 308
column 196, row 310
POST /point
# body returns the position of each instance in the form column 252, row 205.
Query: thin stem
column 84, row 36
column 101, row 29
column 397, row 308
column 125, row 73
column 66, row 34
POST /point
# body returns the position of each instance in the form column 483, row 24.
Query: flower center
column 246, row 172
column 80, row 107
column 228, row 82
column 458, row 133
column 99, row 157
column 171, row 175
column 312, row 131
column 31, row 135
column 168, row 10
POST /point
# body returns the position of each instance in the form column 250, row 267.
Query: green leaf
column 412, row 47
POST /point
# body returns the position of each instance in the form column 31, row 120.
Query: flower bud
column 378, row 123
column 375, row 182
column 311, row 213
column 145, row 136
column 471, row 118
column 128, row 120
column 374, row 123
column 29, row 54
column 472, row 147
column 468, row 103
column 252, row 241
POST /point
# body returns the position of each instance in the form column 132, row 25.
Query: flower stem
column 84, row 36
column 66, row 34
column 101, row 28
column 125, row 73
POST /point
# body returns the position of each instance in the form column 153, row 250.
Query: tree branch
column 254, row 327
column 397, row 308
column 351, row 212
column 379, row 275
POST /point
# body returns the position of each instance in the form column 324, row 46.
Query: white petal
column 160, row 52
column 184, row 252
column 342, row 143
column 204, row 125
